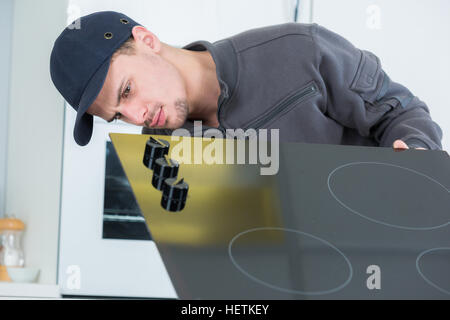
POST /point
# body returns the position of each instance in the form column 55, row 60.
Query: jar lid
column 11, row 224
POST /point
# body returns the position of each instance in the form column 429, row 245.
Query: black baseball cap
column 80, row 61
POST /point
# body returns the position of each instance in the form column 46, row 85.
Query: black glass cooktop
column 336, row 222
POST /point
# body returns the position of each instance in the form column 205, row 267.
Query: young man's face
column 145, row 89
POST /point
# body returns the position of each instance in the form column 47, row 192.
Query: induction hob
column 336, row 222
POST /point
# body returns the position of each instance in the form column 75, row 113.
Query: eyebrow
column 119, row 92
column 119, row 96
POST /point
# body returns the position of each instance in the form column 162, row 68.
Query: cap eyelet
column 108, row 35
column 124, row 21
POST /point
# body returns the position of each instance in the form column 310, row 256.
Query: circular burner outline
column 284, row 289
column 423, row 276
column 377, row 221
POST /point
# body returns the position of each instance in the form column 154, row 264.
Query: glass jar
column 11, row 253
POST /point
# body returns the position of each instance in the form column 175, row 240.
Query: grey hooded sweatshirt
column 315, row 87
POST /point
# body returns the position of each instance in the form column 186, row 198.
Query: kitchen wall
column 179, row 22
column 35, row 132
column 6, row 12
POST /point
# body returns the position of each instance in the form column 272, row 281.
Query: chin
column 176, row 118
column 174, row 124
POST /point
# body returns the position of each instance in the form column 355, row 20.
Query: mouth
column 159, row 119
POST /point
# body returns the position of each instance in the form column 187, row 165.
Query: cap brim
column 82, row 131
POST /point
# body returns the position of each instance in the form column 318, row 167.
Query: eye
column 127, row 90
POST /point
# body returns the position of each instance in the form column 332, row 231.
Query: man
column 306, row 81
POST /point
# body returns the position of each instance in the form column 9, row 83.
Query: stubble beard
column 182, row 112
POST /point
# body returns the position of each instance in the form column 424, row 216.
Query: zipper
column 298, row 96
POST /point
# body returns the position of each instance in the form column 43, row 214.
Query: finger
column 399, row 144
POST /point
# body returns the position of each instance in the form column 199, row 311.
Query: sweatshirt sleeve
column 361, row 96
column 160, row 132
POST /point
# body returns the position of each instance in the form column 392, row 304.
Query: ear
column 142, row 36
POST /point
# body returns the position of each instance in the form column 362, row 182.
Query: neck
column 198, row 70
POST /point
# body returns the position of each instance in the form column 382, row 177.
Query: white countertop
column 28, row 290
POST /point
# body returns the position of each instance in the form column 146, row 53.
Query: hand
column 400, row 144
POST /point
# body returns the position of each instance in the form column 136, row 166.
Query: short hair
column 127, row 48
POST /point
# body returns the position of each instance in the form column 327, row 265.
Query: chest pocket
column 284, row 106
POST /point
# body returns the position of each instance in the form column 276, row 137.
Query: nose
column 134, row 113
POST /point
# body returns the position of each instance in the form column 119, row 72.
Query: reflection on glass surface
column 122, row 218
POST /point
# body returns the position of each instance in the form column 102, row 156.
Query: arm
column 362, row 96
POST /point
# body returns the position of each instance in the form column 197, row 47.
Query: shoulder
column 262, row 35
